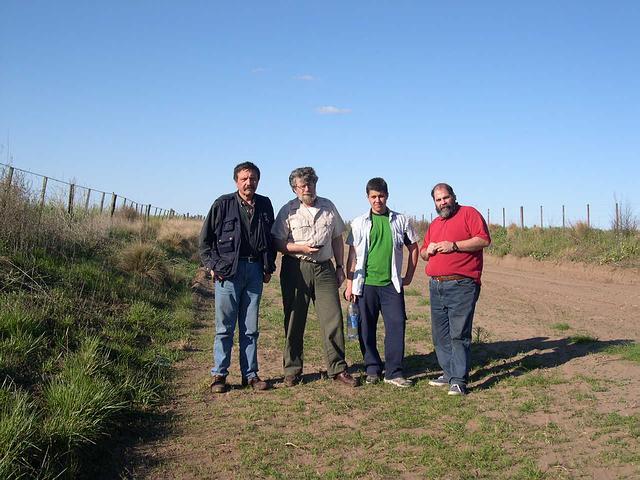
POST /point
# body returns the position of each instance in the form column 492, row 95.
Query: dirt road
column 532, row 316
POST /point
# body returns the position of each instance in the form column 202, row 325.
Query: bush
column 146, row 261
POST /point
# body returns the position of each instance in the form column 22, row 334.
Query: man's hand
column 266, row 278
column 348, row 292
column 444, row 247
column 406, row 281
column 340, row 276
column 430, row 251
column 308, row 249
column 216, row 276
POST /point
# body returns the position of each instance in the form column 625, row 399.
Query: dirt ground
column 521, row 305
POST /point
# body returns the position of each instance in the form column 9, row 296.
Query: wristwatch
column 455, row 247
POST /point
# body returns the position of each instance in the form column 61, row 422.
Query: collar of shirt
column 248, row 207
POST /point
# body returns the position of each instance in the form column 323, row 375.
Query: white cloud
column 258, row 70
column 305, row 78
column 332, row 110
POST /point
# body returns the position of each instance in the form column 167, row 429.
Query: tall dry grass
column 579, row 243
column 89, row 306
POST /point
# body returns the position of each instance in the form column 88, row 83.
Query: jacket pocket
column 229, row 225
column 226, row 244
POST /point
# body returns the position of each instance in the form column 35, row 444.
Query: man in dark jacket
column 236, row 247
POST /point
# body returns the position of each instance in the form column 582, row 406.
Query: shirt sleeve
column 280, row 229
column 427, row 239
column 410, row 234
column 350, row 236
column 477, row 226
column 338, row 226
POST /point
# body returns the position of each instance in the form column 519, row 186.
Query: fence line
column 73, row 196
column 623, row 218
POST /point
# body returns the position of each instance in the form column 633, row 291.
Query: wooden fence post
column 588, row 217
column 7, row 190
column 86, row 201
column 72, row 191
column 504, row 223
column 102, row 202
column 617, row 227
column 488, row 217
column 114, row 197
column 43, row 191
column 541, row 226
column 563, row 223
column 521, row 217
column 9, row 178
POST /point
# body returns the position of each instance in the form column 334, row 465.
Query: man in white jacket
column 374, row 280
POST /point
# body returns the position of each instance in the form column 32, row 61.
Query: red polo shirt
column 464, row 224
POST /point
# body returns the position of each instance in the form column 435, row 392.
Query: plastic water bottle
column 353, row 320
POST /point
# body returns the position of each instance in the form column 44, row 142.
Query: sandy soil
column 520, row 302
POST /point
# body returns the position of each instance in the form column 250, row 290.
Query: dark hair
column 245, row 166
column 444, row 186
column 307, row 174
column 378, row 184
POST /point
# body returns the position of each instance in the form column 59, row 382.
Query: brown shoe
column 346, row 378
column 292, row 380
column 219, row 384
column 256, row 383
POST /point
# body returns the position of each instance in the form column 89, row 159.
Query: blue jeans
column 238, row 299
column 373, row 300
column 453, row 303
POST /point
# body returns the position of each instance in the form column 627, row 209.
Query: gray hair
column 307, row 174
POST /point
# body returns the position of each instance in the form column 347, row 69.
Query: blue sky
column 511, row 103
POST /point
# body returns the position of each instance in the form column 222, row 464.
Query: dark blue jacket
column 221, row 234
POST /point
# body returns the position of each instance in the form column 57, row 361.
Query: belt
column 447, row 278
column 308, row 260
column 250, row 259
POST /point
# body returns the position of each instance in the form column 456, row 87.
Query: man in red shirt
column 453, row 248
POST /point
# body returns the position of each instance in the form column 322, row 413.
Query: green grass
column 561, row 326
column 85, row 340
column 581, row 339
column 412, row 292
column 629, row 351
column 576, row 243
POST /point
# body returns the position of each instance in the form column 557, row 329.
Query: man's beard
column 446, row 212
column 308, row 199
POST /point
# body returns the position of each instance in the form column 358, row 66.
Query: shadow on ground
column 492, row 362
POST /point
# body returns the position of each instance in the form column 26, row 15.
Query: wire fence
column 622, row 217
column 73, row 197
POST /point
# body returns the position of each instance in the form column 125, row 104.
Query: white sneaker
column 399, row 382
column 457, row 390
column 439, row 382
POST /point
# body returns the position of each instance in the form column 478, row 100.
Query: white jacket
column 402, row 233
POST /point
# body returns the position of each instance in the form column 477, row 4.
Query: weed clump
column 145, row 260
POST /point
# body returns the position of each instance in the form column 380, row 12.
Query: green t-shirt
column 380, row 249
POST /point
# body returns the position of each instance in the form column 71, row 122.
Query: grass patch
column 628, row 351
column 581, row 339
column 561, row 326
column 412, row 292
column 576, row 243
column 90, row 310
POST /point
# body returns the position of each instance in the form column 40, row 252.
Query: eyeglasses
column 305, row 186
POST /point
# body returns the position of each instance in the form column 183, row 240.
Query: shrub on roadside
column 146, row 261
